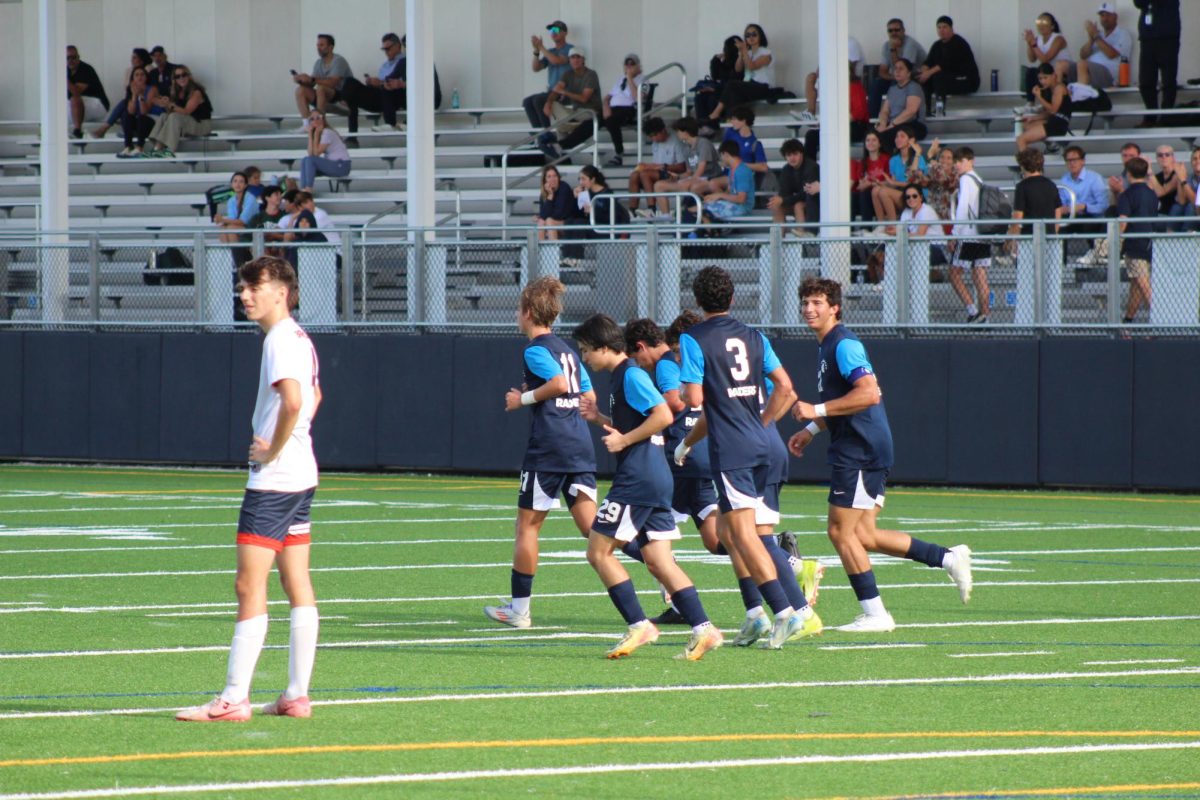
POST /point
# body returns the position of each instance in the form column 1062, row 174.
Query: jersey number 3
column 741, row 364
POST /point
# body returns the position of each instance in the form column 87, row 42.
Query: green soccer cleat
column 809, row 577
column 797, row 626
column 752, row 630
column 639, row 634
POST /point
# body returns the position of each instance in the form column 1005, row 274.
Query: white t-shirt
column 287, row 354
column 335, row 148
column 765, row 75
column 854, row 51
column 624, row 97
column 926, row 216
column 323, row 222
column 1119, row 40
column 1043, row 46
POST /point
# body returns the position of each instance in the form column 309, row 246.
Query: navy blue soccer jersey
column 777, row 461
column 558, row 436
column 643, row 477
column 666, row 377
column 729, row 360
column 862, row 440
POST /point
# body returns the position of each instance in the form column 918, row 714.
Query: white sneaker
column 643, row 213
column 506, row 615
column 960, row 570
column 385, row 128
column 870, row 623
column 1090, row 258
column 302, row 129
column 808, row 116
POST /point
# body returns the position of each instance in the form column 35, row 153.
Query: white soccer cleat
column 506, row 615
column 960, row 570
column 870, row 623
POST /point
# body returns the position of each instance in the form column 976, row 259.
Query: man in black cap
column 555, row 61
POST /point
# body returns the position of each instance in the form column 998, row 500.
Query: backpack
column 992, row 205
column 170, row 259
column 216, row 197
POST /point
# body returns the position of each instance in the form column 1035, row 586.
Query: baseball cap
column 558, row 23
column 1106, row 8
column 632, row 57
column 577, row 51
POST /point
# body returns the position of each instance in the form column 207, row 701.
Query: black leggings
column 139, row 126
column 736, row 93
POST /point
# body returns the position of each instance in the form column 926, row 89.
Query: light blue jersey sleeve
column 639, row 390
column 585, row 380
column 541, row 363
column 666, row 375
column 852, row 360
column 691, row 360
column 771, row 361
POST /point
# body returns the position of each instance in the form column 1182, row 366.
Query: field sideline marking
column 583, row 741
column 616, row 690
column 1000, row 655
column 1053, row 791
column 597, row 769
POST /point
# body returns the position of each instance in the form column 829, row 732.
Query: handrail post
column 903, row 315
column 776, row 261
column 533, row 257
column 639, row 125
column 504, row 194
column 93, row 275
column 199, row 276
column 256, row 242
column 347, row 277
column 1114, row 272
column 1039, row 272
column 651, row 271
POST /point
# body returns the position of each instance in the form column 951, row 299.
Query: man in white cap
column 1101, row 56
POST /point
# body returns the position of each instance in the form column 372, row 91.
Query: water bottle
column 454, row 101
column 939, row 106
column 1123, row 72
column 995, row 80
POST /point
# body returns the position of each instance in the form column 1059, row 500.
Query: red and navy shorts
column 275, row 520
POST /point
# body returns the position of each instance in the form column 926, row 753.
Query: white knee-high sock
column 302, row 649
column 248, row 636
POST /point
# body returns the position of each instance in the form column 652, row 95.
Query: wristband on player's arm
column 681, row 451
column 813, row 428
column 819, row 409
column 527, row 398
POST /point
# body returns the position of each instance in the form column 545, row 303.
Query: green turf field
column 1074, row 671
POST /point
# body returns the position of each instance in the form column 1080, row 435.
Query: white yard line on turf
column 896, row 646
column 1136, row 661
column 323, row 544
column 1001, row 655
column 881, row 683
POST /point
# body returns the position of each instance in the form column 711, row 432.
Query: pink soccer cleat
column 216, row 710
column 300, row 708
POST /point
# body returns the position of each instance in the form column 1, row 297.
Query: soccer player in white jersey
column 273, row 527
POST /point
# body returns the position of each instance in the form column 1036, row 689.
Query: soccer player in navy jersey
column 559, row 457
column 860, row 452
column 638, row 505
column 723, row 366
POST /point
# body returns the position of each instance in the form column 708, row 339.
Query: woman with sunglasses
column 757, row 64
column 918, row 217
column 187, row 112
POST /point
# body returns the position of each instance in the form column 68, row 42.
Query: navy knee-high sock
column 751, row 597
column 926, row 553
column 624, row 597
column 864, row 585
column 522, row 584
column 787, row 576
column 688, row 603
column 633, row 550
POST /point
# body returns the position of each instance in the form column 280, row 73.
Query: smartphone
column 293, row 72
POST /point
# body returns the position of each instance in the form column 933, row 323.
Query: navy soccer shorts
column 741, row 488
column 695, row 498
column 275, row 520
column 768, row 512
column 857, row 488
column 625, row 522
column 539, row 490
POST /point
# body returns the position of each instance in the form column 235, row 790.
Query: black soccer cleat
column 787, row 543
column 669, row 617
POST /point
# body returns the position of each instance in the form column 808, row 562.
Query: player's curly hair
column 642, row 330
column 271, row 268
column 685, row 320
column 811, row 287
column 713, row 289
column 542, row 300
column 599, row 331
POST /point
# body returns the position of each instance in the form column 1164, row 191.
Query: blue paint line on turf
column 271, row 693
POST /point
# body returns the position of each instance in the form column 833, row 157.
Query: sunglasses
column 1164, row 155
column 912, row 197
column 556, row 29
column 750, row 35
column 72, row 58
column 895, row 30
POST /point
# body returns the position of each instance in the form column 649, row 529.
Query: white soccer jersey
column 287, row 353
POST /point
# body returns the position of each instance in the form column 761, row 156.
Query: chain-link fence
column 1082, row 280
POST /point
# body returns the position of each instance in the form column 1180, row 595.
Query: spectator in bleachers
column 975, row 256
column 918, row 217
column 140, row 57
column 668, row 162
column 556, row 63
column 859, row 121
column 160, row 74
column 703, row 164
column 799, row 188
column 1053, row 117
column 1036, row 196
column 898, row 45
column 556, row 204
column 1091, row 198
column 1116, row 183
column 383, row 92
column 1100, row 56
column 322, row 87
column 310, row 223
column 270, row 213
column 757, row 64
column 904, row 105
column 578, row 88
column 593, row 195
column 254, row 184
column 1167, row 183
column 1047, row 46
column 1159, row 30
column 136, row 121
column 943, row 178
column 723, row 67
column 906, row 166
column 239, row 210
column 811, row 82
column 187, row 112
column 866, row 174
column 1139, row 200
column 950, row 67
column 750, row 150
column 327, row 153
column 85, row 93
column 1189, row 190
column 620, row 107
column 738, row 199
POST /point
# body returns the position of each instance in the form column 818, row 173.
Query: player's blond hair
column 542, row 300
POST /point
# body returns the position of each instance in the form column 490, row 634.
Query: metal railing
column 682, row 97
column 681, row 227
column 583, row 114
column 1075, row 281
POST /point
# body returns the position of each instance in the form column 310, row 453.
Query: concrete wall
column 242, row 49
